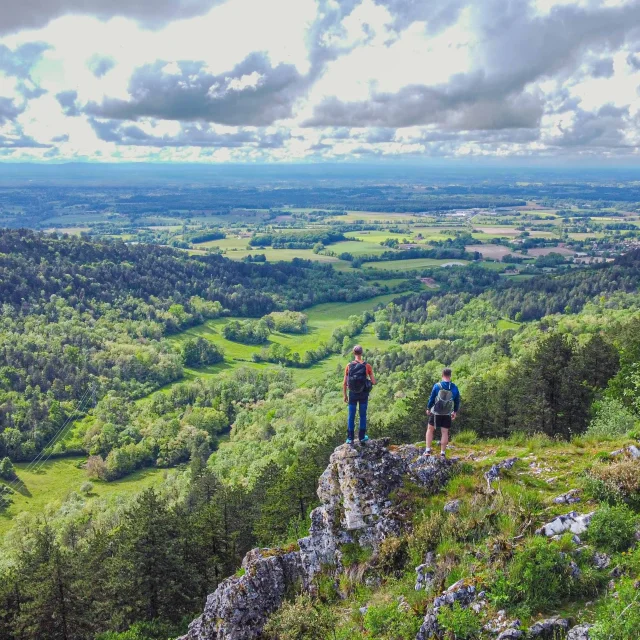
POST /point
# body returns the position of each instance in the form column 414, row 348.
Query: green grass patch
column 55, row 479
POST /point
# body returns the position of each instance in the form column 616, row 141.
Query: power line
column 35, row 462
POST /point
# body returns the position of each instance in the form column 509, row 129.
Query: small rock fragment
column 581, row 632
column 549, row 629
column 601, row 560
column 453, row 506
column 571, row 497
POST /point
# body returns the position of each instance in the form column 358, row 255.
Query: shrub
column 353, row 553
column 86, row 488
column 426, row 535
column 468, row 436
column 155, row 630
column 612, row 528
column 621, row 480
column 389, row 622
column 612, row 419
column 538, row 577
column 618, row 617
column 96, row 468
column 7, row 471
column 392, row 555
column 301, row 620
column 461, row 622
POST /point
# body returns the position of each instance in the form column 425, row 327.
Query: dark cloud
column 190, row 135
column 25, row 14
column 634, row 60
column 20, row 141
column 195, row 94
column 602, row 68
column 603, row 129
column 518, row 48
column 9, row 110
column 101, row 65
column 465, row 103
column 69, row 102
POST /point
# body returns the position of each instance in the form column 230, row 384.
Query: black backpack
column 357, row 377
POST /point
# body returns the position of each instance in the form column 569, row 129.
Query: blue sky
column 331, row 80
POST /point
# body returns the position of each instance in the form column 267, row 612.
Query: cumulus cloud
column 28, row 14
column 190, row 135
column 253, row 93
column 69, row 102
column 603, row 129
column 464, row 103
column 518, row 48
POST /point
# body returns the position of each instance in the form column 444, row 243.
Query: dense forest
column 95, row 568
column 81, row 319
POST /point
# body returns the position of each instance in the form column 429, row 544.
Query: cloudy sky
column 293, row 80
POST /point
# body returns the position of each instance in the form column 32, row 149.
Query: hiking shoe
column 443, row 455
column 427, row 453
column 349, row 441
column 365, row 439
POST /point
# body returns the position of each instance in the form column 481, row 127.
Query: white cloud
column 292, row 79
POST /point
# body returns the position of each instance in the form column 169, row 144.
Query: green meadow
column 55, row 479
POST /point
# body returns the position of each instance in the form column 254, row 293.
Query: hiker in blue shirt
column 444, row 404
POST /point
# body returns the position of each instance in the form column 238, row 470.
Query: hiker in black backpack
column 444, row 404
column 358, row 381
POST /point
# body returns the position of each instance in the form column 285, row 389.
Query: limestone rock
column 356, row 507
column 460, row 592
column 581, row 632
column 549, row 629
column 240, row 606
column 572, row 521
column 494, row 472
column 571, row 497
column 511, row 634
column 453, row 506
column 601, row 560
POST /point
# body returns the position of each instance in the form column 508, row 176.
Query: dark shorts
column 444, row 422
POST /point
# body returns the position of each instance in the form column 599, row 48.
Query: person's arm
column 432, row 397
column 345, row 383
column 371, row 376
column 456, row 403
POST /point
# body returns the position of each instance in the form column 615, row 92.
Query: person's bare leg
column 444, row 440
column 430, row 431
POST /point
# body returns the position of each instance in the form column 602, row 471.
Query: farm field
column 545, row 251
column 411, row 265
column 285, row 255
column 494, row 251
column 57, row 478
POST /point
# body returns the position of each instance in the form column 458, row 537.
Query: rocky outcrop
column 355, row 493
column 240, row 606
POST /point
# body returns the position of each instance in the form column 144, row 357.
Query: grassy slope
column 56, row 479
column 545, row 469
